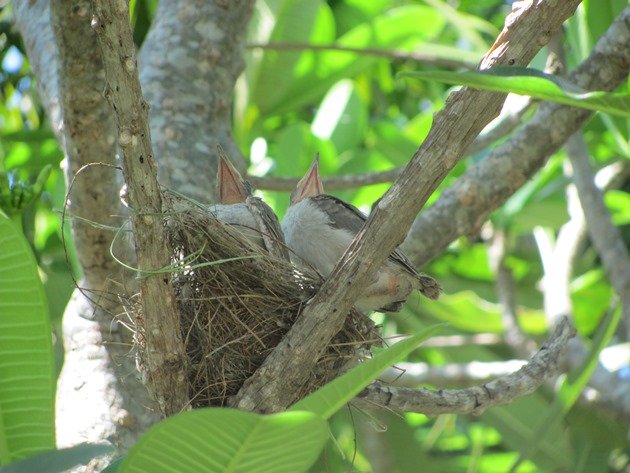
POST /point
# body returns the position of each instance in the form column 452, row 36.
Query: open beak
column 310, row 185
column 232, row 188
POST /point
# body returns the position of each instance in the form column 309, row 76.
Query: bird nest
column 236, row 304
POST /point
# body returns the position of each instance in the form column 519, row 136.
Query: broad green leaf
column 539, row 202
column 401, row 439
column 591, row 295
column 469, row 27
column 58, row 461
column 341, row 117
column 269, row 73
column 330, row 398
column 534, row 83
column 27, row 386
column 229, row 441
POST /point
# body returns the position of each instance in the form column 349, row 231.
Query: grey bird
column 318, row 229
column 248, row 214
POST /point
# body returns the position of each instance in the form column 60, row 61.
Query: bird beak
column 232, row 188
column 310, row 185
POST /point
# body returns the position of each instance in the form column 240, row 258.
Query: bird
column 249, row 215
column 318, row 228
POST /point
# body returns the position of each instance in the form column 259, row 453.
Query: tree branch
column 465, row 114
column 557, row 260
column 411, row 375
column 462, row 209
column 605, row 236
column 189, row 63
column 87, row 134
column 475, row 400
column 165, row 359
column 506, row 291
column 385, row 53
column 505, row 125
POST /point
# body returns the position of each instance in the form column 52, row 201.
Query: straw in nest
column 237, row 302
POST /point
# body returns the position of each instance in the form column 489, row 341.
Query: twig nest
column 237, row 301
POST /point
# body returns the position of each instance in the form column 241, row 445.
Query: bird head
column 310, row 185
column 233, row 189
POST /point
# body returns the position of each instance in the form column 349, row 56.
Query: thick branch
column 462, row 209
column 465, row 114
column 88, row 136
column 475, row 400
column 188, row 66
column 164, row 359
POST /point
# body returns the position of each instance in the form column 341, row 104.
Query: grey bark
column 188, row 66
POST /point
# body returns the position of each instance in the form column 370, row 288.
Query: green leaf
column 514, row 422
column 341, row 117
column 229, row 441
column 58, row 461
column 330, row 398
column 618, row 202
column 534, row 83
column 27, row 386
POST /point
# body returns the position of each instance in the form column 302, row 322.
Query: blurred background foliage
column 294, row 101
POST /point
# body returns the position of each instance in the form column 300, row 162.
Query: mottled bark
column 188, row 66
column 87, row 136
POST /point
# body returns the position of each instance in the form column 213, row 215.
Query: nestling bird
column 248, row 214
column 318, row 228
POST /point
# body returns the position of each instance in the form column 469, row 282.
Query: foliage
column 535, row 84
column 56, row 461
column 352, row 109
column 26, row 361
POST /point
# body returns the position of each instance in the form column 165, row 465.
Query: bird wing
column 269, row 227
column 347, row 217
